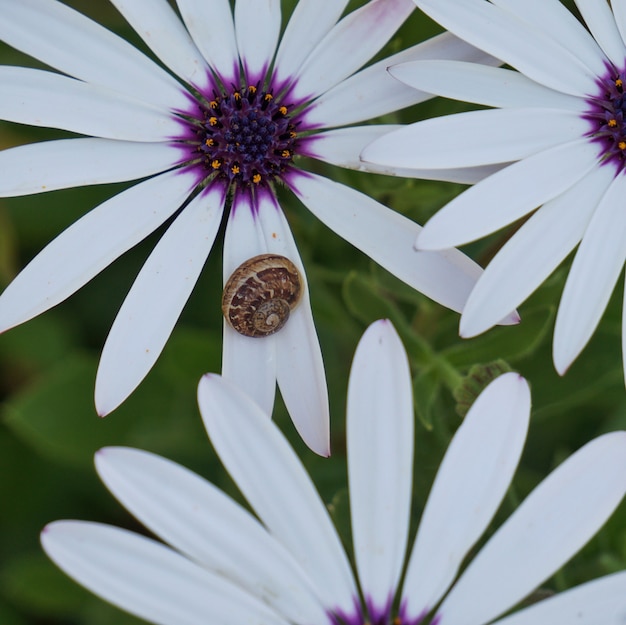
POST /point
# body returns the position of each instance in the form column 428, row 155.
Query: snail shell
column 260, row 294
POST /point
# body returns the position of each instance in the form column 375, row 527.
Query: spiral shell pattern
column 260, row 294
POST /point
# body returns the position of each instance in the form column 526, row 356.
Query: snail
column 260, row 294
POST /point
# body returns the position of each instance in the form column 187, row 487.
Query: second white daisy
column 560, row 121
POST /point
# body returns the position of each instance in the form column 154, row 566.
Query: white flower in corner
column 558, row 133
column 222, row 565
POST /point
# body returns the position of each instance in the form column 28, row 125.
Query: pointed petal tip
column 562, row 356
column 512, row 319
column 561, row 367
column 101, row 409
column 472, row 327
column 104, row 454
column 106, row 398
column 317, row 442
column 324, row 453
column 49, row 532
column 102, row 413
column 208, row 382
column 382, row 328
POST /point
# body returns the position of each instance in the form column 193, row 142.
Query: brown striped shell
column 260, row 294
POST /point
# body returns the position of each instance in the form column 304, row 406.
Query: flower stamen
column 606, row 113
column 247, row 136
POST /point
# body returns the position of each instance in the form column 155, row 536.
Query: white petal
column 350, row 44
column 505, row 36
column 309, row 23
column 257, row 26
column 600, row 21
column 624, row 334
column 533, row 252
column 476, row 138
column 90, row 245
column 156, row 299
column 148, row 579
column 251, row 364
column 343, row 146
column 65, row 163
column 592, row 277
column 53, row 33
column 79, row 107
column 158, row 25
column 379, row 430
column 211, row 27
column 387, row 237
column 550, row 526
column 271, row 477
column 619, row 11
column 470, row 484
column 558, row 23
column 482, row 84
column 508, row 195
column 372, row 92
column 248, row 362
column 299, row 365
column 208, row 527
column 598, row 601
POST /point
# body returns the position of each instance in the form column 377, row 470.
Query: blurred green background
column 49, row 429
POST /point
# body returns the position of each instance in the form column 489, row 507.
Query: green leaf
column 510, row 343
column 56, row 416
column 364, row 300
column 189, row 354
column 426, row 388
column 40, row 343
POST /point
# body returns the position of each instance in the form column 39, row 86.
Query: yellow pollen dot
column 293, row 134
column 216, row 164
column 252, row 89
column 612, row 123
column 268, row 97
column 397, row 621
column 237, row 96
column 622, row 145
column 285, row 153
column 209, row 143
column 618, row 82
column 283, row 110
column 256, row 178
column 213, row 121
column 235, row 169
column 213, row 104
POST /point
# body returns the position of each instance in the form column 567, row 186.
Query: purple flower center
column 606, row 114
column 242, row 136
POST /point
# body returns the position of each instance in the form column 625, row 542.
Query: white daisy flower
column 224, row 566
column 560, row 121
column 223, row 128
